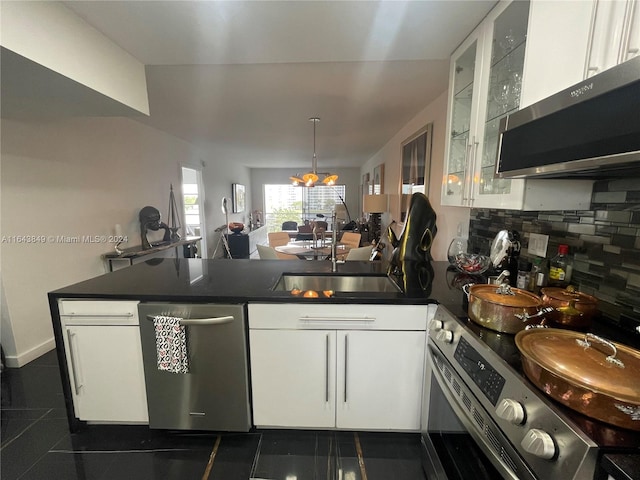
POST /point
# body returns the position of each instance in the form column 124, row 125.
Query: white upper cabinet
column 485, row 84
column 614, row 34
column 571, row 41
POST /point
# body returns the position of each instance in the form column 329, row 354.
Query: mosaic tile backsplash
column 603, row 241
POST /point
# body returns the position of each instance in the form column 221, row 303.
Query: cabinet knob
column 539, row 443
column 436, row 324
column 511, row 411
column 444, row 336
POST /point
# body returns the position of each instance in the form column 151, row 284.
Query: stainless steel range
column 477, row 391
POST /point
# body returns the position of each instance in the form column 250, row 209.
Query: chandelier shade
column 310, row 178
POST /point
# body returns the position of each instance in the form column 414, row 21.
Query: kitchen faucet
column 334, row 236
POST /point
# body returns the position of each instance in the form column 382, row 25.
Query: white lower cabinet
column 337, row 366
column 104, row 359
column 293, row 378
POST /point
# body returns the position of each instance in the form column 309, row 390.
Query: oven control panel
column 485, row 377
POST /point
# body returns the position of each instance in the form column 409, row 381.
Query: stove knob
column 436, row 324
column 539, row 443
column 445, row 336
column 511, row 411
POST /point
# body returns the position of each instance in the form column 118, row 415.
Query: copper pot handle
column 525, row 316
column 466, row 287
column 611, row 358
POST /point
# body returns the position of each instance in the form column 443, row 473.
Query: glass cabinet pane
column 463, row 84
column 505, row 82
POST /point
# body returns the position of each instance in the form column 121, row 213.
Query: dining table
column 310, row 250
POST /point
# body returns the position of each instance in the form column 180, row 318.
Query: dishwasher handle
column 200, row 321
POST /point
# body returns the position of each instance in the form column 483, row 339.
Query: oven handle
column 200, row 321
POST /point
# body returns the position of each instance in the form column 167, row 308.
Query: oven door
column 459, row 436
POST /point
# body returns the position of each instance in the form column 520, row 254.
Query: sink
column 337, row 283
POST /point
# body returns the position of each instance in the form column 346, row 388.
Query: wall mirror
column 416, row 166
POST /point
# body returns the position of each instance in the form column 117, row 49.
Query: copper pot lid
column 568, row 294
column 505, row 295
column 585, row 360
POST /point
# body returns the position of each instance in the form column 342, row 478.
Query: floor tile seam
column 31, row 425
column 256, row 457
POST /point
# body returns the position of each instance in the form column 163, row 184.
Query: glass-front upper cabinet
column 503, row 92
column 462, row 120
column 484, row 85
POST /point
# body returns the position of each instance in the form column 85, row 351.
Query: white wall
column 76, row 177
column 391, row 156
column 49, row 34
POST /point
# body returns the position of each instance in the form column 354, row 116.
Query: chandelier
column 309, row 179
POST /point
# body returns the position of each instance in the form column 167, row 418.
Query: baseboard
column 17, row 361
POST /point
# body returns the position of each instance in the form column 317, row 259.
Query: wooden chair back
column 351, row 239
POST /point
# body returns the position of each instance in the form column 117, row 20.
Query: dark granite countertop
column 237, row 281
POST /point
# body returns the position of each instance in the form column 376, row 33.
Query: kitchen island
column 96, row 316
column 250, row 283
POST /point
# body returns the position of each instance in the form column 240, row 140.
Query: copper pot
column 571, row 308
column 502, row 308
column 589, row 374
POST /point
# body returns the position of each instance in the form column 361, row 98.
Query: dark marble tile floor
column 36, row 445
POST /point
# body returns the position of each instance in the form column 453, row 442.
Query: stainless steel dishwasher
column 214, row 394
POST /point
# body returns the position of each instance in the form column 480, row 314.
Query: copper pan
column 572, row 309
column 589, row 374
column 502, row 308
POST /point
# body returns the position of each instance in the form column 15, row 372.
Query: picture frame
column 238, row 197
column 367, row 188
column 378, row 179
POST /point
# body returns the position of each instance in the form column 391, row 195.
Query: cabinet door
column 464, row 77
column 556, row 48
column 607, row 37
column 501, row 89
column 630, row 47
column 107, row 376
column 293, row 378
column 379, row 379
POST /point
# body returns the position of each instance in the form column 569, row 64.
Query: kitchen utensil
column 502, row 308
column 504, row 253
column 499, row 279
column 589, row 374
column 571, row 308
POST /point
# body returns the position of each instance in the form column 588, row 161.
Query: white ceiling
column 241, row 78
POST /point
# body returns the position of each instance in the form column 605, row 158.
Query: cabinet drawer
column 98, row 312
column 337, row 317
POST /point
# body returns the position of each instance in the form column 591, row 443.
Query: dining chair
column 289, row 225
column 305, row 232
column 360, row 253
column 267, row 253
column 351, row 239
column 277, row 239
column 322, row 224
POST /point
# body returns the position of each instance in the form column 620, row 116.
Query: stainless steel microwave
column 590, row 130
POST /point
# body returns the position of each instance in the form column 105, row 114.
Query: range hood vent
column 590, row 130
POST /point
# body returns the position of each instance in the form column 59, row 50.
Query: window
column 192, row 201
column 288, row 202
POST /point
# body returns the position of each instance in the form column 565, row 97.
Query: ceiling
column 240, row 79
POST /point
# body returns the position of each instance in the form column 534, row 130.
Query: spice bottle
column 558, row 267
column 524, row 273
column 538, row 276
